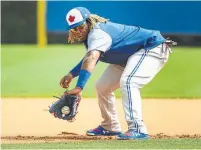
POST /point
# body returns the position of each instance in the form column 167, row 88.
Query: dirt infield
column 25, row 120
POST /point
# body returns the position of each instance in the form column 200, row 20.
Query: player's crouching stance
column 135, row 56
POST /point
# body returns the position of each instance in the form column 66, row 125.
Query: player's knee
column 103, row 87
column 100, row 86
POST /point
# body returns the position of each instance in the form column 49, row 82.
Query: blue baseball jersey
column 118, row 42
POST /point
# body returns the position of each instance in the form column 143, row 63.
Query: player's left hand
column 76, row 91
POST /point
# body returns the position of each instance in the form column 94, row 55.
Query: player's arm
column 90, row 60
column 83, row 68
column 88, row 64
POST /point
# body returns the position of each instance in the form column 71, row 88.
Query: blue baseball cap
column 76, row 16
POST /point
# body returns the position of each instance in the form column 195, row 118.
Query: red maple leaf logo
column 71, row 18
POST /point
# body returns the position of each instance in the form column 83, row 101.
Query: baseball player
column 134, row 54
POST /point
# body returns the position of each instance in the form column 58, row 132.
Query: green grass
column 149, row 144
column 28, row 71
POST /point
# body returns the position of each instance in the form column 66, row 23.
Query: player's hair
column 93, row 20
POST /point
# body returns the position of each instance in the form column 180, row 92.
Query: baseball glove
column 72, row 101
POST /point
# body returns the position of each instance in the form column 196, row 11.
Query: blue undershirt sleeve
column 76, row 70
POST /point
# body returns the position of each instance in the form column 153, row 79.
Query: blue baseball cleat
column 131, row 135
column 100, row 131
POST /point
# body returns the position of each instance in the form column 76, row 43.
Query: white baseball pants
column 140, row 69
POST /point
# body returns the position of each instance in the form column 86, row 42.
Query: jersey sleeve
column 99, row 40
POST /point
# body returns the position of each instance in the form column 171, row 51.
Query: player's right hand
column 65, row 81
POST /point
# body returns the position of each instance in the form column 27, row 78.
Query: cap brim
column 75, row 25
